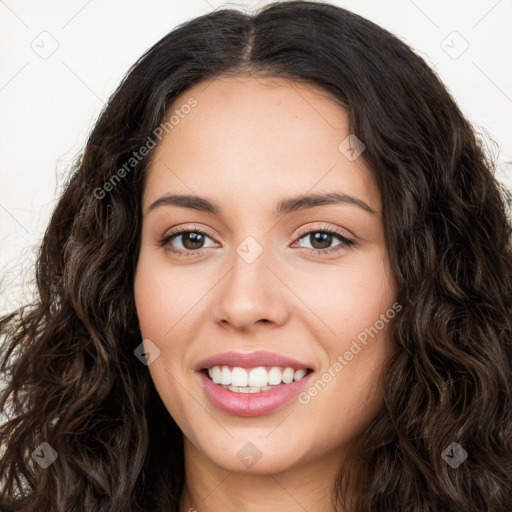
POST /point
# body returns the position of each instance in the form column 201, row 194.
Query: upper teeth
column 254, row 377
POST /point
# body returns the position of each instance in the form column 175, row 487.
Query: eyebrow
column 288, row 205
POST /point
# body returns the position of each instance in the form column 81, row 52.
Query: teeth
column 299, row 374
column 275, row 376
column 239, row 377
column 248, row 389
column 258, row 377
column 288, row 375
column 253, row 380
column 216, row 374
column 225, row 376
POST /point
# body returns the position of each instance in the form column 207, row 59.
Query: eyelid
column 194, row 227
column 326, row 227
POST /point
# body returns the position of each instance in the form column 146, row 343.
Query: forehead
column 257, row 138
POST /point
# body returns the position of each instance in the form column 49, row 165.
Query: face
column 249, row 283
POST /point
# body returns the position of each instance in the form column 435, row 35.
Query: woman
column 189, row 352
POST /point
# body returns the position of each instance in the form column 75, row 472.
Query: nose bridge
column 250, row 275
column 250, row 291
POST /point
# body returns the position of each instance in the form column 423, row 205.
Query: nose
column 252, row 292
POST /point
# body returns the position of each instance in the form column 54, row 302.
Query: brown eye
column 321, row 240
column 190, row 240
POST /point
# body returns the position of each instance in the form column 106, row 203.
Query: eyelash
column 345, row 241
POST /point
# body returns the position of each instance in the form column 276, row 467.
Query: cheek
column 163, row 297
column 160, row 314
column 151, row 307
column 355, row 309
column 349, row 300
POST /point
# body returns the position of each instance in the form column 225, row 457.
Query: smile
column 252, row 384
column 254, row 380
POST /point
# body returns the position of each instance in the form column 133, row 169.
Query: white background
column 48, row 103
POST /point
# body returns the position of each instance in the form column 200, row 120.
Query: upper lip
column 250, row 360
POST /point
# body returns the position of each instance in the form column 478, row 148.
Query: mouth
column 257, row 379
column 252, row 384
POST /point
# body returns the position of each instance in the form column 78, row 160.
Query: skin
column 249, row 143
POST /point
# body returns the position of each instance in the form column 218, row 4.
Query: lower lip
column 251, row 404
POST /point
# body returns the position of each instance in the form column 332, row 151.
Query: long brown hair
column 73, row 380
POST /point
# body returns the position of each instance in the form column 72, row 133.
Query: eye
column 321, row 240
column 191, row 241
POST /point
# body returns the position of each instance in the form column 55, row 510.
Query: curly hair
column 68, row 358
